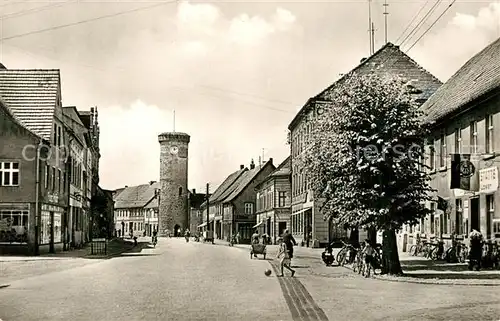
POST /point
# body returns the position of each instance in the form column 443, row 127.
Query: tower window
column 180, row 191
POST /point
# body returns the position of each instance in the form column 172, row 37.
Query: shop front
column 15, row 227
column 51, row 234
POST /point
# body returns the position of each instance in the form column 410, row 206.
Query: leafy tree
column 363, row 159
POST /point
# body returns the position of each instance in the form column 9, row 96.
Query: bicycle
column 416, row 249
column 347, row 249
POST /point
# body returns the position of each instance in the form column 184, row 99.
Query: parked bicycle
column 346, row 254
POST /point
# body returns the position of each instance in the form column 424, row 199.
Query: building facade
column 465, row 115
column 195, row 211
column 34, row 99
column 174, row 179
column 306, row 215
column 273, row 204
column 136, row 210
column 239, row 206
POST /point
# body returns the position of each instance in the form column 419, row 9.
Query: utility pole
column 373, row 38
column 370, row 25
column 385, row 18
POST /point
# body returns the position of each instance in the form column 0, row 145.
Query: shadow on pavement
column 454, row 276
column 416, row 265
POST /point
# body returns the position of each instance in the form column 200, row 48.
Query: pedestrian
column 286, row 260
column 368, row 253
column 238, row 237
column 289, row 241
column 255, row 237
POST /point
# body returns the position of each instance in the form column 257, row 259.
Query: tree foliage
column 364, row 152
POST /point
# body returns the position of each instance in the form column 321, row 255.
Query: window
column 458, row 140
column 473, row 137
column 281, row 199
column 442, row 151
column 55, row 135
column 489, row 134
column 180, row 191
column 432, row 158
column 9, row 174
column 16, row 220
column 490, row 213
column 433, row 211
column 47, row 173
column 459, row 228
column 53, row 177
column 59, row 138
column 59, row 181
column 248, row 208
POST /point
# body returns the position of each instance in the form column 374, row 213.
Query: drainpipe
column 37, row 192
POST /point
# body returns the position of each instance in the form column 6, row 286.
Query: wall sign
column 488, row 180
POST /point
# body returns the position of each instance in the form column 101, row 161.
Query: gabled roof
column 244, row 181
column 195, row 200
column 136, row 196
column 477, row 77
column 387, row 60
column 283, row 169
column 227, row 183
column 32, row 95
column 14, row 118
column 72, row 121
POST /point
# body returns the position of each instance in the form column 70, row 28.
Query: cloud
column 460, row 39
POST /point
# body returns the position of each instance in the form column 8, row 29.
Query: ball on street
column 268, row 272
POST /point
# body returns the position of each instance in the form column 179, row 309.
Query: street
column 196, row 281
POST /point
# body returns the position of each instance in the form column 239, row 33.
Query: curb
column 407, row 279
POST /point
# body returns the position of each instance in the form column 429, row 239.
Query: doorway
column 176, row 230
column 474, row 214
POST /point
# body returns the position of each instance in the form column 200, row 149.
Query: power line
column 37, row 9
column 412, row 20
column 432, row 25
column 417, row 27
column 89, row 20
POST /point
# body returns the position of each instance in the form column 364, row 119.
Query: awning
column 302, row 211
column 258, row 224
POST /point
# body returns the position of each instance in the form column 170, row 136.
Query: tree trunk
column 354, row 237
column 390, row 256
column 372, row 235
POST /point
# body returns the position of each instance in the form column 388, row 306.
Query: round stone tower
column 173, row 207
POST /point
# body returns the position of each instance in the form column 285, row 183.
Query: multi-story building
column 195, row 201
column 274, row 201
column 239, row 205
column 79, row 162
column 465, row 115
column 136, row 210
column 215, row 208
column 33, row 190
column 306, row 216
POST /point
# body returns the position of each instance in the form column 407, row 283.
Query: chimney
column 252, row 164
column 126, row 186
column 194, row 190
column 362, row 59
column 152, row 182
column 270, row 160
column 242, row 166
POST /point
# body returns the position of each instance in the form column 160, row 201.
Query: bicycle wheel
column 341, row 256
column 413, row 250
column 377, row 264
column 434, row 254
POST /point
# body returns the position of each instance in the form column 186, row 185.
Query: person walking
column 289, row 241
column 286, row 260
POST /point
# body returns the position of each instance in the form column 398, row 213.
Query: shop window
column 14, row 226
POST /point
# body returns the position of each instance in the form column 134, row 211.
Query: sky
column 235, row 72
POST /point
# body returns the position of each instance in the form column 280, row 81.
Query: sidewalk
column 416, row 269
column 115, row 247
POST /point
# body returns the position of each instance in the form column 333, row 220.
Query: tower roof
column 174, row 136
